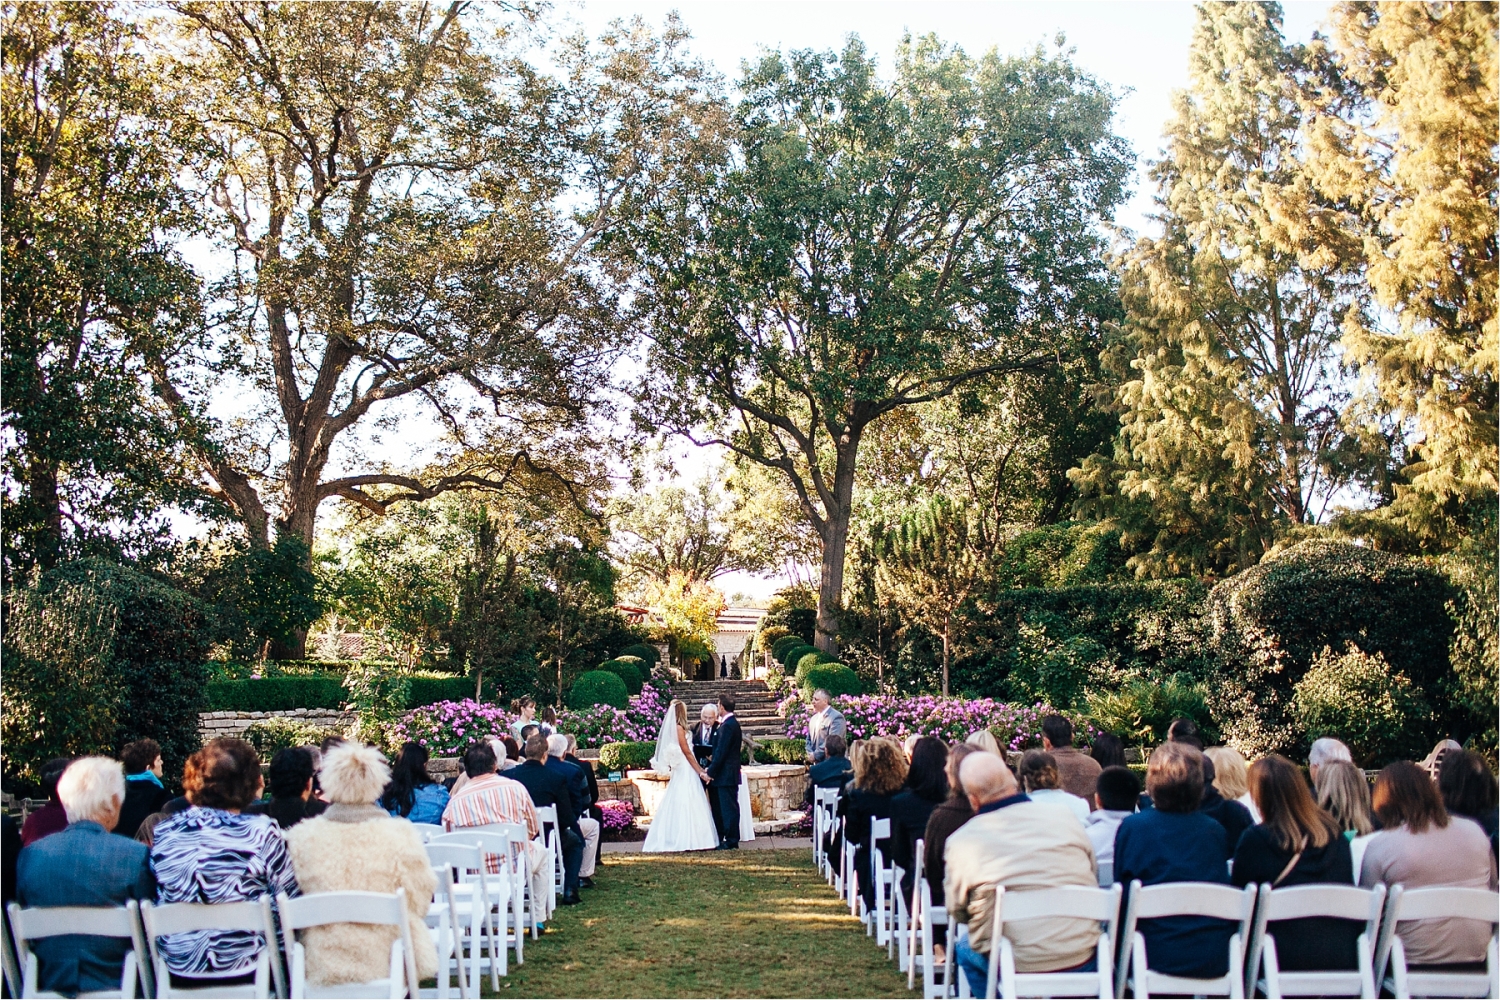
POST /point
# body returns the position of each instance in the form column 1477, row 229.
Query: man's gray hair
column 710, row 707
column 821, row 693
column 1326, row 751
column 557, row 744
column 572, row 741
column 91, row 788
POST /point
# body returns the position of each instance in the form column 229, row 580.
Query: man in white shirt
column 823, row 723
column 1116, row 794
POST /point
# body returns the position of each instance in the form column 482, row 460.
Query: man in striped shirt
column 488, row 798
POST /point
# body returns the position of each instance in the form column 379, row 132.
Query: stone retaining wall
column 212, row 725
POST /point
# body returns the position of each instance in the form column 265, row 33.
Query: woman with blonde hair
column 355, row 845
column 879, row 774
column 683, row 820
column 1343, row 792
column 985, row 740
column 1232, row 777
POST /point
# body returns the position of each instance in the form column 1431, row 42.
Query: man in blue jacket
column 84, row 865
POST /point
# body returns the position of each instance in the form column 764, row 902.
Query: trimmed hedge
column 626, row 756
column 809, row 660
column 628, row 672
column 835, row 678
column 277, row 694
column 782, row 752
column 650, row 654
column 598, row 687
column 1268, row 624
column 1356, row 697
column 782, row 646
column 790, row 657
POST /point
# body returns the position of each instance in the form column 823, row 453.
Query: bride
column 683, row 820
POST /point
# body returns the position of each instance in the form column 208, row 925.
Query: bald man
column 1020, row 844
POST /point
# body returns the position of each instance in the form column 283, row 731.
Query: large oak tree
column 869, row 245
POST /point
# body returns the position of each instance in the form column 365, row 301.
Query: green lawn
column 747, row 924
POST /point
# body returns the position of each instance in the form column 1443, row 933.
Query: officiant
column 704, row 734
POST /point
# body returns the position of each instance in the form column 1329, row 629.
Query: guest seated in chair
column 357, row 846
column 292, row 798
column 926, row 788
column 879, row 773
column 1020, row 844
column 84, row 865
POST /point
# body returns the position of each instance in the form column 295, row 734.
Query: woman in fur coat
column 356, row 845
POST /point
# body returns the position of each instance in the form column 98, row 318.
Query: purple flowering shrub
column 617, row 813
column 446, row 727
column 1016, row 727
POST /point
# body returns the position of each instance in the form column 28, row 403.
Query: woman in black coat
column 926, row 788
column 879, row 773
column 1297, row 843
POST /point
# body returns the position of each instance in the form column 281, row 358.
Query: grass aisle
column 712, row 924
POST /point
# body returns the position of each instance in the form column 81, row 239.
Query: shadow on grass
column 752, row 924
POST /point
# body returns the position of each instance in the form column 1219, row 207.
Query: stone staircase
column 754, row 704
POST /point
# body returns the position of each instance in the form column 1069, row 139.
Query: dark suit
column 724, row 778
column 548, row 787
column 83, row 865
column 703, row 743
column 578, row 784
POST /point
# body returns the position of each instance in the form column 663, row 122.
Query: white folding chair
column 510, row 889
column 850, row 876
column 881, row 873
column 464, row 907
column 921, row 942
column 8, row 963
column 552, row 837
column 36, row 923
column 1343, row 902
column 322, row 908
column 1435, row 903
column 1084, row 902
column 427, row 830
column 253, row 916
column 1187, row 899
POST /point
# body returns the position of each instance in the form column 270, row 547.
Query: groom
column 723, row 775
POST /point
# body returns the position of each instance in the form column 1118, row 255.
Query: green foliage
column 598, row 687
column 1057, row 667
column 266, row 595
column 379, row 694
column 807, row 661
column 1474, row 685
column 781, row 752
column 650, row 654
column 271, row 735
column 1267, row 625
column 624, row 757
column 276, row 694
column 1356, row 697
column 835, row 678
column 426, row 688
column 1140, row 711
column 61, row 696
column 783, row 645
column 1070, row 554
column 794, row 655
column 628, row 672
column 161, row 644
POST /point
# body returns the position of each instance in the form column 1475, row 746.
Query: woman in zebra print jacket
column 215, row 853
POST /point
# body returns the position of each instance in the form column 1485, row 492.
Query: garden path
column 715, row 924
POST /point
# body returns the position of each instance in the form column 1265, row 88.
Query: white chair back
column 427, row 830
column 323, row 908
column 1436, row 903
column 8, row 960
column 880, row 921
column 1076, row 901
column 39, row 922
column 1341, row 902
column 553, row 836
column 177, row 918
column 443, row 921
column 1187, row 899
column 508, row 889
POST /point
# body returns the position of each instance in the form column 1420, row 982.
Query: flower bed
column 446, row 727
column 950, row 719
column 618, row 814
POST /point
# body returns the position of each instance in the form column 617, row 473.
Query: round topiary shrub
column 598, row 687
column 650, row 655
column 626, row 756
column 791, row 656
column 1356, row 697
column 809, row 660
column 626, row 671
column 785, row 645
column 835, row 678
column 1268, row 624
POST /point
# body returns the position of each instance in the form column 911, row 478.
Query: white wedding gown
column 683, row 820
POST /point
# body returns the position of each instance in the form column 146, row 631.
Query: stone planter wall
column 775, row 789
column 212, row 725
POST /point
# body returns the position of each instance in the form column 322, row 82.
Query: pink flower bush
column 446, row 727
column 949, row 719
column 617, row 813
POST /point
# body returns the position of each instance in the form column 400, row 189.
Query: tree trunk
column 835, row 542
column 45, row 499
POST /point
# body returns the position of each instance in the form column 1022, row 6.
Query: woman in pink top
column 1421, row 845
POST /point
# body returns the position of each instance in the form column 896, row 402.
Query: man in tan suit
column 1078, row 771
